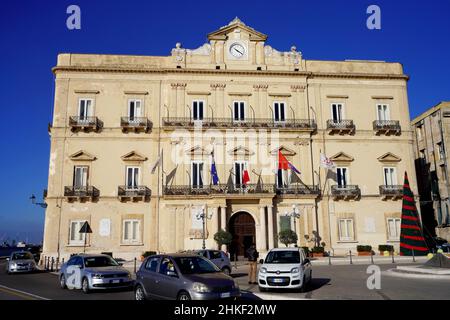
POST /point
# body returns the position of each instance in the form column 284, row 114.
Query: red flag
column 283, row 163
column 245, row 177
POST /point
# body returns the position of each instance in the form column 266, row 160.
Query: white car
column 285, row 268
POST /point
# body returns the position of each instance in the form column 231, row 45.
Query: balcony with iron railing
column 387, row 127
column 81, row 192
column 340, row 126
column 297, row 190
column 206, row 190
column 267, row 123
column 85, row 123
column 135, row 124
column 391, row 191
column 134, row 193
column 345, row 192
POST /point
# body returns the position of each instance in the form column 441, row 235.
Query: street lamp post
column 294, row 214
column 204, row 216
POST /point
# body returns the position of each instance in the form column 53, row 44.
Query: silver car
column 183, row 277
column 20, row 261
column 219, row 258
column 93, row 271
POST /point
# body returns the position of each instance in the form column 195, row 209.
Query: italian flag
column 411, row 237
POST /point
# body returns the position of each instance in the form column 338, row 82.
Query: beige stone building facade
column 432, row 132
column 132, row 140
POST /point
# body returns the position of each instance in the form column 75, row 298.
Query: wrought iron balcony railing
column 387, row 126
column 269, row 123
column 135, row 123
column 340, row 126
column 85, row 123
column 81, row 192
column 133, row 192
column 298, row 190
column 346, row 191
column 391, row 191
column 218, row 189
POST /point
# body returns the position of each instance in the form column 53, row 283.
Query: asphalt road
column 329, row 282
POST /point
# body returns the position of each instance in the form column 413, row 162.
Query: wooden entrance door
column 242, row 227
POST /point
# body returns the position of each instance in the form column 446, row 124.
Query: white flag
column 326, row 162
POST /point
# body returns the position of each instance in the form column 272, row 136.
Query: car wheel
column 62, row 282
column 85, row 285
column 139, row 293
column 226, row 270
column 183, row 296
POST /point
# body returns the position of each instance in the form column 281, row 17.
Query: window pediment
column 82, row 156
column 241, row 151
column 389, row 157
column 198, row 151
column 284, row 150
column 133, row 156
column 342, row 157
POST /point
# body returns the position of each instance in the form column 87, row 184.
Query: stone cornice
column 302, row 74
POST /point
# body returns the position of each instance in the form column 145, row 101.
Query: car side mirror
column 172, row 274
column 261, row 261
column 306, row 260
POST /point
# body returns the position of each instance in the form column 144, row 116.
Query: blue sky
column 32, row 33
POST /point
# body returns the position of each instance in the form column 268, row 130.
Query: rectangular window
column 394, row 228
column 279, row 111
column 134, row 109
column 76, row 238
column 239, row 167
column 390, row 176
column 197, row 174
column 342, row 176
column 285, row 223
column 383, row 112
column 80, row 176
column 441, row 150
column 132, row 177
column 197, row 109
column 239, row 111
column 337, row 112
column 346, row 232
column 131, row 230
column 85, row 109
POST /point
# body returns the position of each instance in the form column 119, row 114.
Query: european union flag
column 214, row 176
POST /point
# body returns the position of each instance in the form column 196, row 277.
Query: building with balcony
column 134, row 140
column 432, row 136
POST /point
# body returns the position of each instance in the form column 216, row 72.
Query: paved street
column 329, row 282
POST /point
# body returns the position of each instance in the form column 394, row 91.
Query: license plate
column 115, row 281
column 278, row 280
column 225, row 295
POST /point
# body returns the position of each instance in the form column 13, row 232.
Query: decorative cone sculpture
column 411, row 236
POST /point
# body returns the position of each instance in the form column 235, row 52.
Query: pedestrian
column 252, row 255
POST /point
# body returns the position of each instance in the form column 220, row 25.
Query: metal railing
column 85, row 122
column 386, row 125
column 345, row 191
column 219, row 189
column 139, row 191
column 297, row 190
column 299, row 124
column 391, row 190
column 346, row 125
column 81, row 192
column 135, row 123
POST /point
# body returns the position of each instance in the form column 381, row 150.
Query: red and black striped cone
column 411, row 236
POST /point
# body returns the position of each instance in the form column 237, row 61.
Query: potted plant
column 364, row 250
column 383, row 248
column 287, row 237
column 223, row 237
column 307, row 251
column 146, row 254
column 318, row 251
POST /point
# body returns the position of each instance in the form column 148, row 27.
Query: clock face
column 237, row 50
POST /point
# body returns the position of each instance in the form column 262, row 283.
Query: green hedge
column 318, row 250
column 364, row 248
column 385, row 247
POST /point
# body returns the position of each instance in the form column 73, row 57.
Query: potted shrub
column 364, row 250
column 146, row 254
column 383, row 248
column 306, row 249
column 318, row 251
column 287, row 237
column 223, row 237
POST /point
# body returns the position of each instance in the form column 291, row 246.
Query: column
column 262, row 228
column 223, row 222
column 270, row 224
column 214, row 224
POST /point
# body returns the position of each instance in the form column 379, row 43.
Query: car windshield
column 22, row 256
column 191, row 265
column 287, row 256
column 93, row 262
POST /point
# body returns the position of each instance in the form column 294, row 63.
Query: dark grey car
column 219, row 258
column 183, row 277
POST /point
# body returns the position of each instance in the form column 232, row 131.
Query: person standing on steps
column 252, row 255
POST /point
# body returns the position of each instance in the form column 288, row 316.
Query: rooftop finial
column 235, row 21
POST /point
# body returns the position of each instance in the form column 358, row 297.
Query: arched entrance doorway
column 242, row 227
